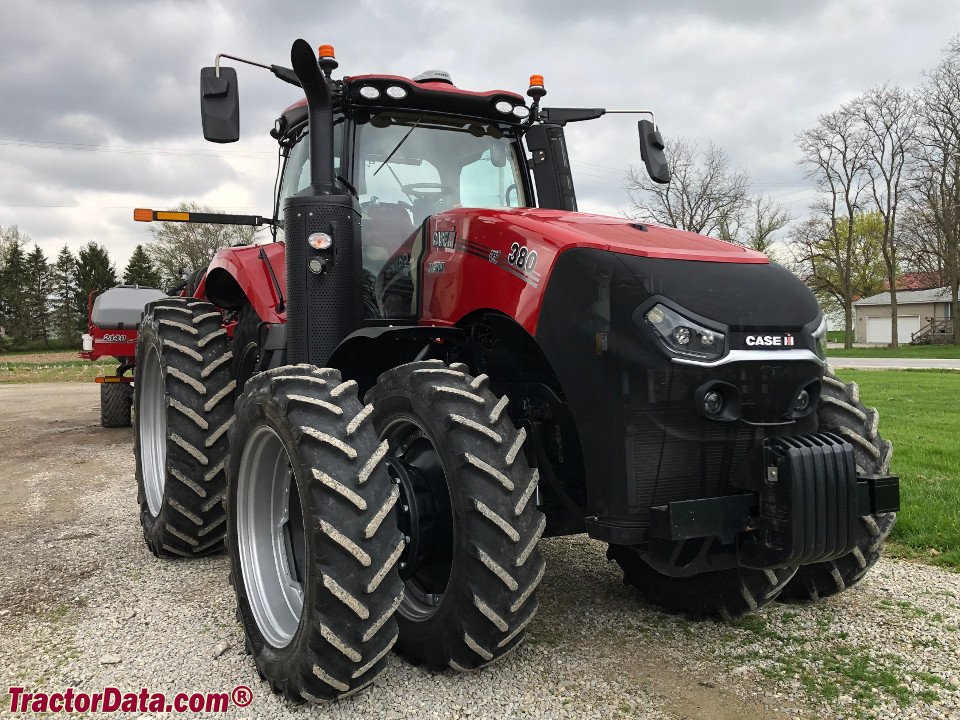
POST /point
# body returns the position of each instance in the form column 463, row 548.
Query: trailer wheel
column 840, row 411
column 723, row 593
column 471, row 564
column 116, row 399
column 184, row 405
column 311, row 534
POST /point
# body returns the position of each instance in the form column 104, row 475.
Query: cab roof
column 430, row 95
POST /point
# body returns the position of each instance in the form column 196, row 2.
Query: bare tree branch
column 703, row 190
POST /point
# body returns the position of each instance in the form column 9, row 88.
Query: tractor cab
column 405, row 164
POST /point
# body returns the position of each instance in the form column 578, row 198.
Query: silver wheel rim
column 152, row 427
column 268, row 513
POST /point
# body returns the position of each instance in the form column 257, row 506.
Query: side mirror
column 220, row 105
column 651, row 152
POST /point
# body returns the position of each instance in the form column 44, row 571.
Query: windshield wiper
column 402, row 141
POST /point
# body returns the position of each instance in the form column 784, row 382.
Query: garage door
column 879, row 331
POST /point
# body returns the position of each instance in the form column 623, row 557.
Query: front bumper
column 806, row 508
column 645, row 439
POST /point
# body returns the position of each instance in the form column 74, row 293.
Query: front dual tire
column 312, row 537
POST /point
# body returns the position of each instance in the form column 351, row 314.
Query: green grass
column 835, row 335
column 56, row 371
column 41, row 348
column 904, row 351
column 919, row 415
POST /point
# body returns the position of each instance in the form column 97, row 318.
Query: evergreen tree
column 64, row 308
column 37, row 296
column 94, row 272
column 13, row 290
column 140, row 271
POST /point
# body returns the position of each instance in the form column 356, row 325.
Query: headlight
column 820, row 340
column 682, row 335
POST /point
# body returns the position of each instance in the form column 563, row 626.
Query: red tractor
column 525, row 371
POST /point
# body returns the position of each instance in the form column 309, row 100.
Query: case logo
column 769, row 340
column 444, row 239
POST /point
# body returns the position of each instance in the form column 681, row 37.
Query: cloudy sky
column 99, row 101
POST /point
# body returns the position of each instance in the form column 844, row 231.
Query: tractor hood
column 507, row 259
column 562, row 230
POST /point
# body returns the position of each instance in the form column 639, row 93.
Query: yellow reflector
column 143, row 215
column 183, row 217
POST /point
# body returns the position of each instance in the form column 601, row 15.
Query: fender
column 370, row 351
column 239, row 275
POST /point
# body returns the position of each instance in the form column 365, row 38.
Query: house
column 917, row 310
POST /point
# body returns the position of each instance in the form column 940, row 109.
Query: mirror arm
column 636, row 112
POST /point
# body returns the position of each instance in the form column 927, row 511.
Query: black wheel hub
column 425, row 518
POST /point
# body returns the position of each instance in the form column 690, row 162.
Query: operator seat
column 385, row 228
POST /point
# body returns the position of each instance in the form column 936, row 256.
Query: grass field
column 904, row 351
column 51, row 366
column 919, row 415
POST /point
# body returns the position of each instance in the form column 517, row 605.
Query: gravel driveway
column 83, row 604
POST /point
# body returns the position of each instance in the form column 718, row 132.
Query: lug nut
column 712, row 402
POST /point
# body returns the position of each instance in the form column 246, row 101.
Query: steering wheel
column 428, row 190
column 506, row 196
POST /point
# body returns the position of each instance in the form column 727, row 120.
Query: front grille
column 674, row 454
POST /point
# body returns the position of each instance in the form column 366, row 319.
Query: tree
column 65, row 315
column 191, row 246
column 13, row 285
column 704, row 192
column 37, row 296
column 140, row 271
column 836, row 271
column 937, row 176
column 834, row 156
column 755, row 226
column 889, row 118
column 94, row 272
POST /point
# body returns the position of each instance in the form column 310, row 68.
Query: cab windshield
column 408, row 166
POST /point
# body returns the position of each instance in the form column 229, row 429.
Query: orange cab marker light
column 182, row 216
column 536, row 81
column 325, row 51
column 143, row 215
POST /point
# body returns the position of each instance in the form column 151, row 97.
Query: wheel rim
column 152, row 427
column 270, row 536
column 424, row 516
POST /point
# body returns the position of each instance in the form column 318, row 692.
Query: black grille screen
column 677, row 455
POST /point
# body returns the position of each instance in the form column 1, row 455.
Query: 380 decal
column 523, row 258
column 520, row 262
